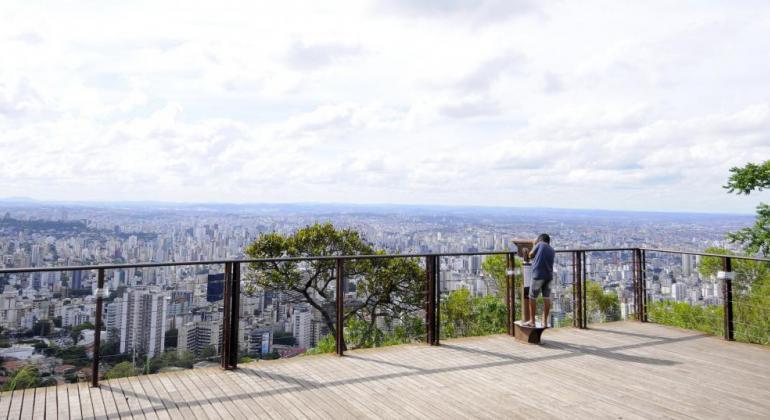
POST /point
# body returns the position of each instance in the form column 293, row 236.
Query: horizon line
column 114, row 203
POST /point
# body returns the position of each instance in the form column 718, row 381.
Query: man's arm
column 534, row 249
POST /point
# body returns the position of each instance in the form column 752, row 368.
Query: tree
column 496, row 267
column 385, row 287
column 752, row 177
column 26, row 377
column 208, row 351
column 121, row 370
column 604, row 306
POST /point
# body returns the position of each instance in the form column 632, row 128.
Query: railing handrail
column 16, row 270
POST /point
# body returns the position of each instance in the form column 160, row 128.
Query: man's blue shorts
column 538, row 286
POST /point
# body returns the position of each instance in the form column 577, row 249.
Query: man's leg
column 546, row 290
column 532, row 310
column 534, row 290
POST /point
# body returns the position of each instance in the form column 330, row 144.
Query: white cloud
column 633, row 105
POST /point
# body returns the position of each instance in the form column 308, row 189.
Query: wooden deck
column 619, row 370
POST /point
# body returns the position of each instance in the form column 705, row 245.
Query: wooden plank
column 269, row 405
column 133, row 403
column 108, row 401
column 17, row 399
column 296, row 391
column 338, row 400
column 84, row 398
column 62, row 402
column 51, row 407
column 277, row 407
column 28, row 405
column 111, row 389
column 209, row 387
column 365, row 393
column 144, row 400
column 197, row 397
column 179, row 398
column 164, row 408
column 5, row 403
column 40, row 404
column 233, row 397
column 97, row 403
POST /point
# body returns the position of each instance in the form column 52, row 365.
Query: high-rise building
column 260, row 341
column 197, row 335
column 140, row 318
column 77, row 279
column 302, row 329
column 215, row 287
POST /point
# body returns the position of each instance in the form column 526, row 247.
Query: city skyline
column 632, row 106
column 349, row 206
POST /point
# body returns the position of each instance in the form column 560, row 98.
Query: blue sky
column 592, row 104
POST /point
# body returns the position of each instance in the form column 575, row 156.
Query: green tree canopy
column 121, row 370
column 390, row 287
column 745, row 180
column 603, row 306
column 496, row 267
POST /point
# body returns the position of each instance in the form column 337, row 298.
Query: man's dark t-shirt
column 542, row 263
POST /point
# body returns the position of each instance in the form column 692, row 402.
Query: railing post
column 430, row 293
column 235, row 312
column 432, row 310
column 578, row 291
column 437, row 299
column 574, row 289
column 637, row 298
column 643, row 282
column 583, row 294
column 340, row 304
column 98, row 327
column 727, row 294
column 227, row 293
column 510, row 290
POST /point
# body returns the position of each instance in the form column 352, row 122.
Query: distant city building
column 140, row 318
column 215, row 287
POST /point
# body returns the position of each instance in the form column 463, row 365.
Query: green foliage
column 466, row 315
column 121, row 370
column 326, row 345
column 26, row 377
column 602, row 306
column 751, row 302
column 72, row 355
column 755, row 239
column 749, row 178
column 273, row 355
column 208, row 351
column 707, row 318
column 495, row 266
column 752, row 177
column 388, row 288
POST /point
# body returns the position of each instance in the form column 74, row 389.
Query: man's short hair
column 544, row 238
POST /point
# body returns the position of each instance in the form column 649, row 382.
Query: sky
column 592, row 104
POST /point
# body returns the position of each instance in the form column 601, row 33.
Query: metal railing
column 432, row 290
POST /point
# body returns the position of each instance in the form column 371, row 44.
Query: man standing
column 542, row 273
